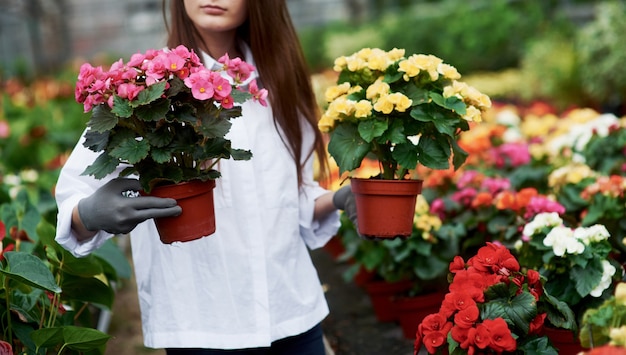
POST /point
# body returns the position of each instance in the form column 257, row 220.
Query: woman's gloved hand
column 108, row 209
column 343, row 199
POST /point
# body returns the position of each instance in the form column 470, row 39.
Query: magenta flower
column 539, row 204
column 511, row 154
column 239, row 70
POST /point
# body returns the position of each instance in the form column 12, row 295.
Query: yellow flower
column 427, row 223
column 448, row 71
column 472, row 114
column 355, row 63
column 335, row 91
column 420, row 62
column 384, row 105
column 569, row 174
column 378, row 60
column 362, row 109
column 620, row 293
column 400, row 101
column 340, row 63
column 457, row 88
column 535, row 126
column 377, row 89
column 618, row 336
column 421, row 205
column 395, row 54
column 341, row 105
column 326, row 123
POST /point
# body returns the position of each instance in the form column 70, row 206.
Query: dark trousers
column 308, row 343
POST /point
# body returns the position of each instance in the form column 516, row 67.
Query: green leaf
column 102, row 119
column 111, row 254
column 347, row 148
column 96, row 141
column 102, row 166
column 214, row 127
column 132, row 150
column 153, row 112
column 370, row 129
column 87, row 289
column 30, row 270
column 121, row 108
column 459, row 156
column 587, row 278
column 240, row 154
column 73, row 337
column 149, row 94
column 240, row 96
column 406, row 155
column 22, row 214
column 432, row 154
column 518, row 311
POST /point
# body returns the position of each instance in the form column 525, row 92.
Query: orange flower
column 482, row 199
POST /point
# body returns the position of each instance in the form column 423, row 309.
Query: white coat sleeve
column 316, row 233
column 71, row 187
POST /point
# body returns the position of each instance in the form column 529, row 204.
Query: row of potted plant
column 516, row 177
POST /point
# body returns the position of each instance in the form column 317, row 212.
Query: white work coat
column 250, row 283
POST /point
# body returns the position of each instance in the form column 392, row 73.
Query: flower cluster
column 575, row 261
column 405, row 110
column 164, row 114
column 492, row 306
column 489, row 208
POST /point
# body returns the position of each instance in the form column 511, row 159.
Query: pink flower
column 511, row 154
column 5, row 129
column 129, row 91
column 539, row 204
column 259, row 95
column 236, row 68
column 495, row 185
column 201, row 85
column 221, row 86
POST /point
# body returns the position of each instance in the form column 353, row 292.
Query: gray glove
column 109, row 210
column 343, row 199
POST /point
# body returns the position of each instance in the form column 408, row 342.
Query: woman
column 250, row 287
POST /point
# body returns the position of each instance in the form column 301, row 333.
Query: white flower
column 542, row 220
column 561, row 239
column 595, row 233
column 608, row 270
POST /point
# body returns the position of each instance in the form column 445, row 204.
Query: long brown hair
column 282, row 68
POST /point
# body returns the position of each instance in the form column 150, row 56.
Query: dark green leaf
column 102, row 166
column 153, row 112
column 96, row 141
column 149, row 94
column 370, row 129
column 87, row 289
column 102, row 119
column 30, row 270
column 432, row 154
column 121, row 107
column 347, row 148
column 406, row 155
column 132, row 150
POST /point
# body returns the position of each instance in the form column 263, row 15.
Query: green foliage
column 601, row 58
column 49, row 292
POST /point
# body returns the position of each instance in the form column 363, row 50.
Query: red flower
column 457, row 264
column 456, row 301
column 501, row 338
column 466, row 318
column 480, row 336
column 432, row 332
column 537, row 324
